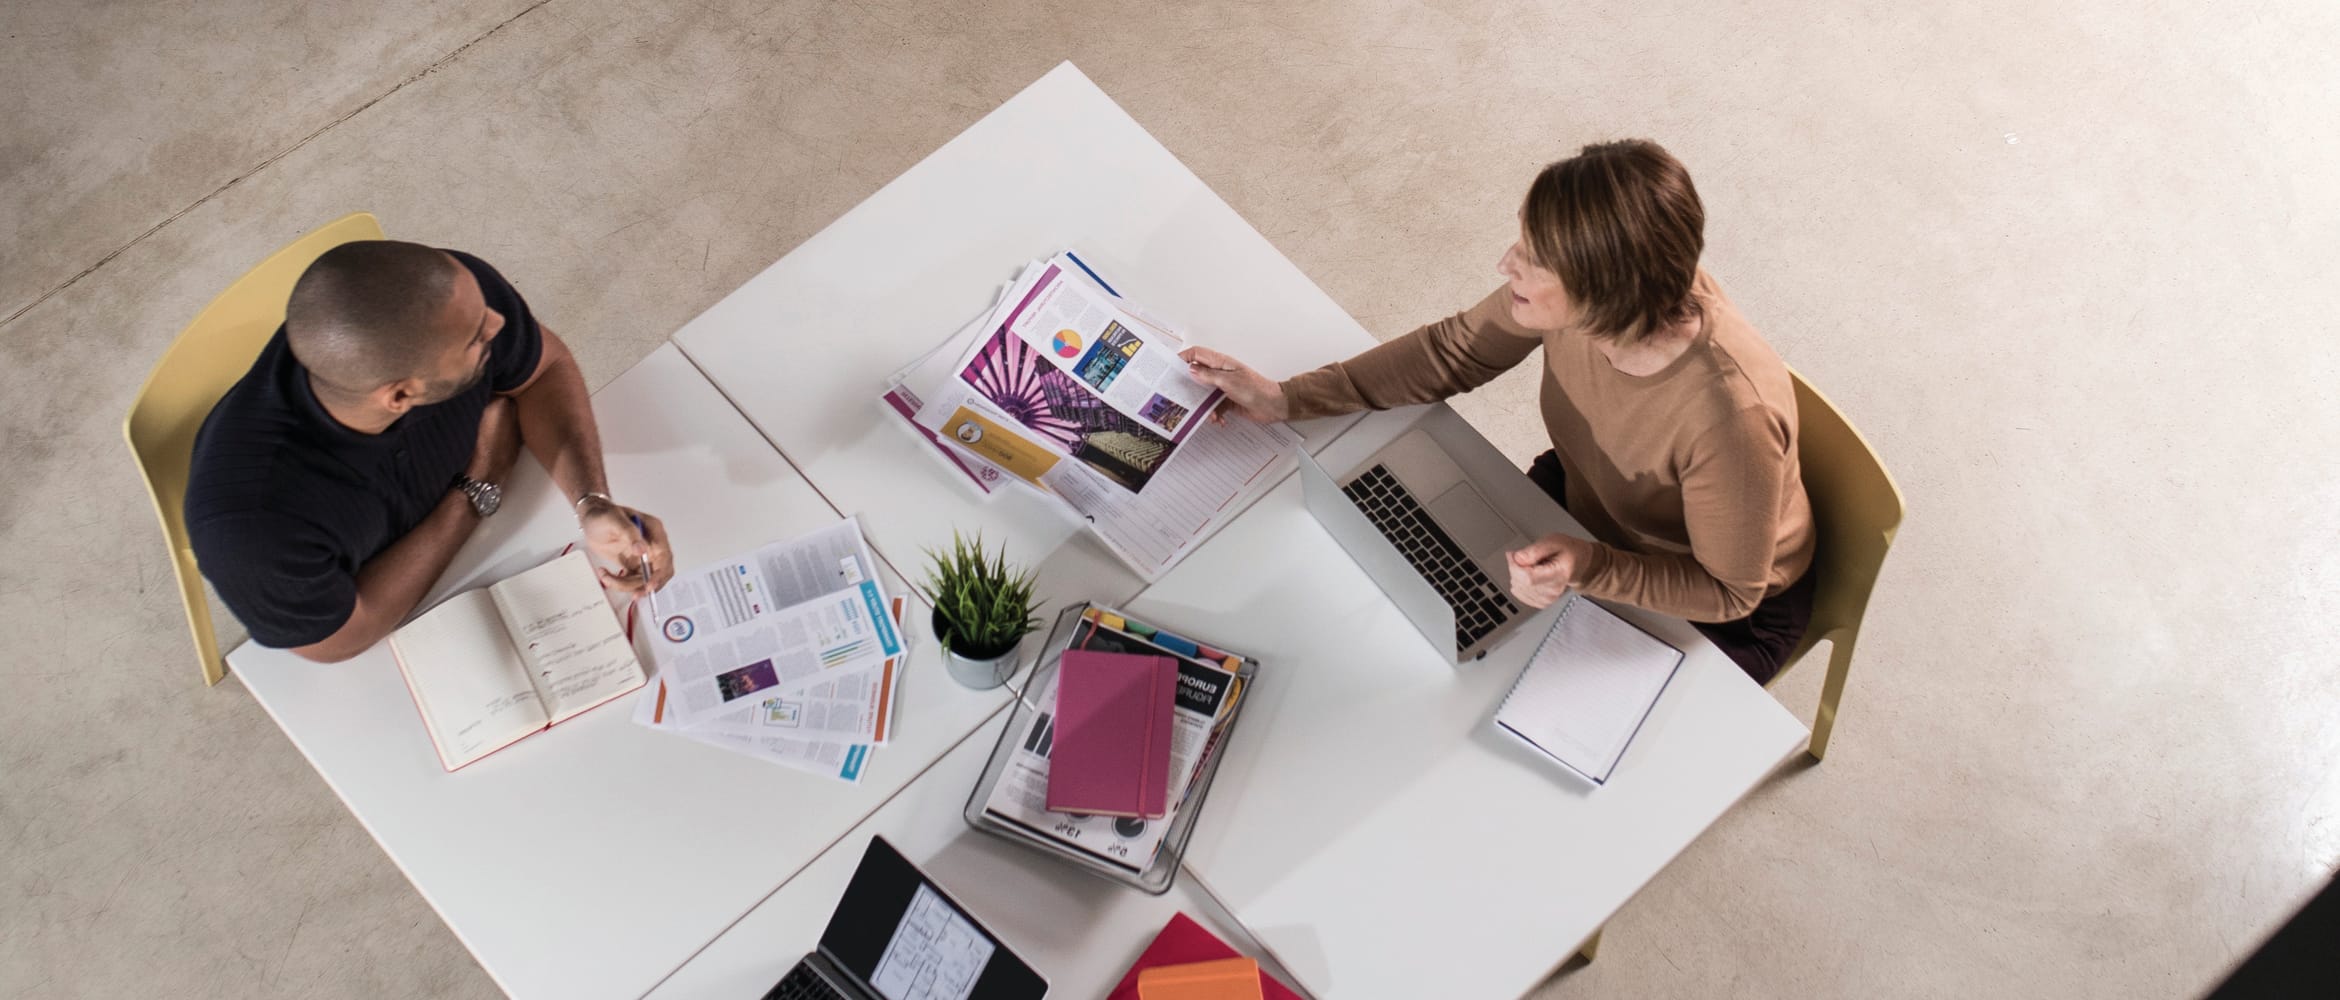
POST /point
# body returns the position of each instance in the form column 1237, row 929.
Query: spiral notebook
column 1588, row 688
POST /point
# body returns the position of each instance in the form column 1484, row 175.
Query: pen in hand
column 649, row 595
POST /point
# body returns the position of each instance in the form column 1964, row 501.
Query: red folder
column 1111, row 754
column 1183, row 941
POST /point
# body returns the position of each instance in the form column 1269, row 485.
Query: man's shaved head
column 368, row 313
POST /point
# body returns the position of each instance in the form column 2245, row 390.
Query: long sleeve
column 1446, row 358
column 1735, row 485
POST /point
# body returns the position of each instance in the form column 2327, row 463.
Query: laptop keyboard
column 1479, row 605
column 802, row 983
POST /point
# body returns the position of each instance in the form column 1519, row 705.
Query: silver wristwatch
column 484, row 497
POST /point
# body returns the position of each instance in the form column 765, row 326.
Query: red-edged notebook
column 1183, row 941
column 1112, row 745
column 492, row 666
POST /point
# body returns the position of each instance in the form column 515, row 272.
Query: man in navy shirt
column 332, row 485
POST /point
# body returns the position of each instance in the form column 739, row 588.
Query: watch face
column 489, row 497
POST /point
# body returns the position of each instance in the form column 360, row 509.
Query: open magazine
column 1073, row 375
column 1066, row 388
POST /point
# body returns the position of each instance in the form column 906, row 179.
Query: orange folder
column 1223, row 979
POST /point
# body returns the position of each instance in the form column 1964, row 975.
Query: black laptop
column 897, row 936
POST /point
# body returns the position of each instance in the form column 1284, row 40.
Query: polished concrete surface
column 2070, row 266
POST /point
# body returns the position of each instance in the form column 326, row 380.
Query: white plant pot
column 979, row 675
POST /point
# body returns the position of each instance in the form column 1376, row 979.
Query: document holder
column 1101, row 846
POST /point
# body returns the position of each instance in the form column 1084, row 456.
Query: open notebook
column 490, row 666
column 1588, row 688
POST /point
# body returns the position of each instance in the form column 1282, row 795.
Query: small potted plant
column 982, row 611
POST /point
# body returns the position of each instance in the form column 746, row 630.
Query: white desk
column 804, row 347
column 1080, row 931
column 592, row 859
column 1370, row 830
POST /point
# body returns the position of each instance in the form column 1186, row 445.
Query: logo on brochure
column 677, row 629
column 968, row 432
column 1067, row 344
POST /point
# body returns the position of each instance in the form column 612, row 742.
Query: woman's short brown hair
column 1622, row 226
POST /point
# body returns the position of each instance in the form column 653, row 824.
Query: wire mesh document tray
column 1008, row 800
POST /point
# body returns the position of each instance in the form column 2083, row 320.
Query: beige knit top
column 1688, row 476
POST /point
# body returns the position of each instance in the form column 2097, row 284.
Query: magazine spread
column 1067, row 389
column 1065, row 368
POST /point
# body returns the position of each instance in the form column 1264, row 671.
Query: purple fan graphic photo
column 1011, row 375
column 1048, row 402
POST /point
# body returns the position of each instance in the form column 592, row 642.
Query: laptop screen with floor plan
column 898, row 936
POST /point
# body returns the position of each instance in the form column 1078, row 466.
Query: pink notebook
column 1111, row 753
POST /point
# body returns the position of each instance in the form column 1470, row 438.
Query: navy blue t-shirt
column 285, row 505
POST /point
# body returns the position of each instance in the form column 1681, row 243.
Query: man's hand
column 1250, row 393
column 642, row 555
column 498, row 445
column 1541, row 571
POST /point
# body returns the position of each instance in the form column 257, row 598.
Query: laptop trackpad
column 1472, row 523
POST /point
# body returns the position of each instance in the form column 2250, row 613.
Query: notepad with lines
column 1587, row 689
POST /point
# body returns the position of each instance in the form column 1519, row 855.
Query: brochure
column 778, row 621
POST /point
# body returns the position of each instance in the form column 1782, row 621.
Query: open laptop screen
column 901, row 934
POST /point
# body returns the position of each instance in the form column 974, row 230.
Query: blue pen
column 649, row 596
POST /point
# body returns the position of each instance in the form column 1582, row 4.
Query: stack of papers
column 793, row 654
column 1210, row 686
column 1065, row 388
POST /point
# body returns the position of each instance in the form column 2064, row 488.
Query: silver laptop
column 896, row 935
column 1428, row 537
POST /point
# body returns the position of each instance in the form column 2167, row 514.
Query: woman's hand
column 1250, row 393
column 1541, row 572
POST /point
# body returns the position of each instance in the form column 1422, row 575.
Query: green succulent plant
column 981, row 606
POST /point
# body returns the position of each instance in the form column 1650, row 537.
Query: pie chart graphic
column 1068, row 344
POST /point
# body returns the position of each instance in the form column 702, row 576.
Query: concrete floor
column 2070, row 266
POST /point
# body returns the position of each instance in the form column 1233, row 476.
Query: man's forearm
column 392, row 583
column 556, row 423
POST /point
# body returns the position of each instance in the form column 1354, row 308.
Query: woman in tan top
column 1673, row 424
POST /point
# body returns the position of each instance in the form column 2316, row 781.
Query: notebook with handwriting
column 1588, row 688
column 488, row 667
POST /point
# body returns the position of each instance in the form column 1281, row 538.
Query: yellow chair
column 207, row 358
column 1857, row 510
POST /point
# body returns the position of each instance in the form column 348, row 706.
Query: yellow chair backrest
column 1856, row 510
column 208, row 357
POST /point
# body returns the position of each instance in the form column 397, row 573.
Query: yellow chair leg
column 1592, row 945
column 1840, row 651
column 199, row 618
